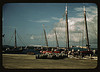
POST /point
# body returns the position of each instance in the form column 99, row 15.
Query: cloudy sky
column 28, row 19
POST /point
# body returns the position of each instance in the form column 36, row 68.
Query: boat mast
column 85, row 22
column 56, row 38
column 82, row 39
column 67, row 32
column 15, row 40
column 45, row 36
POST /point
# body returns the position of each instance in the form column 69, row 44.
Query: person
column 94, row 52
column 52, row 50
column 78, row 52
column 69, row 52
column 82, row 55
column 72, row 51
column 65, row 51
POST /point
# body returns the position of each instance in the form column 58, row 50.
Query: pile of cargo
column 51, row 56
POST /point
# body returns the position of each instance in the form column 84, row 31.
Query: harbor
column 70, row 43
column 24, row 61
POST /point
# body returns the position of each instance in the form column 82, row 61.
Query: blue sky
column 28, row 18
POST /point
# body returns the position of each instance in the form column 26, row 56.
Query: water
column 30, row 50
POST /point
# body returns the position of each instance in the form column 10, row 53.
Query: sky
column 28, row 19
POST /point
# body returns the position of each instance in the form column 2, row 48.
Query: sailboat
column 49, row 49
column 87, row 38
column 67, row 37
column 50, row 52
column 15, row 50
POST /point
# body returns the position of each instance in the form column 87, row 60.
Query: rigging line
column 95, row 30
column 10, row 39
column 63, row 15
column 20, row 39
column 23, row 40
column 42, row 39
column 18, row 36
column 3, row 38
column 29, row 42
column 39, row 40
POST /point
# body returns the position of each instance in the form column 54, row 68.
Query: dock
column 25, row 61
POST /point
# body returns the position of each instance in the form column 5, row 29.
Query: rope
column 20, row 38
column 10, row 39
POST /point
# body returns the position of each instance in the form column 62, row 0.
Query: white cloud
column 32, row 37
column 79, row 9
column 92, row 9
column 76, row 26
column 60, row 28
column 40, row 21
column 55, row 18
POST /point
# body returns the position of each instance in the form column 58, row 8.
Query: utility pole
column 45, row 36
column 87, row 38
